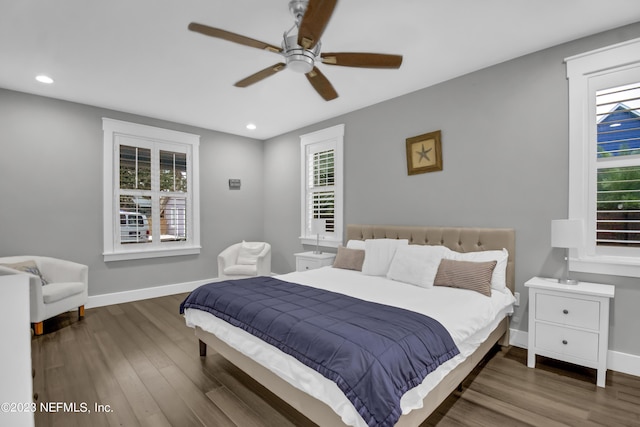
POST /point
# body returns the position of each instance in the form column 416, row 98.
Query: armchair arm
column 58, row 270
column 228, row 257
column 264, row 261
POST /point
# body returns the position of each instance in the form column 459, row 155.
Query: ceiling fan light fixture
column 300, row 63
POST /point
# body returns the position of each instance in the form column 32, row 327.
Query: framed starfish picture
column 424, row 153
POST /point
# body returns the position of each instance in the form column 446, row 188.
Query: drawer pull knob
column 564, row 342
column 565, row 311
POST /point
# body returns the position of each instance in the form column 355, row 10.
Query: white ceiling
column 137, row 56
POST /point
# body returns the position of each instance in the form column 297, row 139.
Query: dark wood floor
column 140, row 364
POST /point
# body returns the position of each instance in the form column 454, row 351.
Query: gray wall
column 51, row 192
column 505, row 152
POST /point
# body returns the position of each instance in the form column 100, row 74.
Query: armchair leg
column 81, row 312
column 38, row 328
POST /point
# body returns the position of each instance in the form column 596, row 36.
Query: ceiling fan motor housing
column 299, row 59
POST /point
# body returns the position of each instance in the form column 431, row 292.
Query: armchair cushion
column 241, row 269
column 59, row 291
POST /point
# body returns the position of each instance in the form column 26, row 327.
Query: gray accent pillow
column 28, row 267
column 475, row 276
column 349, row 259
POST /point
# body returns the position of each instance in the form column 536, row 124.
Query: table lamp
column 317, row 227
column 567, row 234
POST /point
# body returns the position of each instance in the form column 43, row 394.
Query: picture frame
column 424, row 153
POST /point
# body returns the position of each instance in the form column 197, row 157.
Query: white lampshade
column 566, row 233
column 318, row 225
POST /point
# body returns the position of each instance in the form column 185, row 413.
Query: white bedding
column 467, row 315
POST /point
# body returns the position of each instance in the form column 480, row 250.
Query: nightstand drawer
column 568, row 311
column 308, row 264
column 567, row 342
column 311, row 260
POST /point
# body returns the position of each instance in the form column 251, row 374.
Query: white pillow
column 356, row 244
column 499, row 276
column 248, row 253
column 416, row 264
column 378, row 254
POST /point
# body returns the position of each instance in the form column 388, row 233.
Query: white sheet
column 467, row 315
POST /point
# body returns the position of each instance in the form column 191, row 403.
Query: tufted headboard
column 459, row 239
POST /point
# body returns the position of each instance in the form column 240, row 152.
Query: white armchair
column 66, row 285
column 246, row 259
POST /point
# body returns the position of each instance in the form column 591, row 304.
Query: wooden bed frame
column 456, row 238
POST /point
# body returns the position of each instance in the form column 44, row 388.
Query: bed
column 317, row 397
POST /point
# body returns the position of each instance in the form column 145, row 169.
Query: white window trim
column 334, row 134
column 583, row 71
column 112, row 250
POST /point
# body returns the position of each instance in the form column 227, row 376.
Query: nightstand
column 569, row 323
column 309, row 260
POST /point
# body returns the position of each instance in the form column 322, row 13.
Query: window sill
column 154, row 253
column 324, row 243
column 613, row 266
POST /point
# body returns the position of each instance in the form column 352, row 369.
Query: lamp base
column 568, row 281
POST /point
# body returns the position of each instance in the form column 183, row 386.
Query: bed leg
column 203, row 348
column 504, row 340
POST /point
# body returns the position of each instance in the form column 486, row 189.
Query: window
column 604, row 158
column 322, row 186
column 151, row 205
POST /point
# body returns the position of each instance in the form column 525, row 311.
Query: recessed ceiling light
column 251, row 126
column 44, row 79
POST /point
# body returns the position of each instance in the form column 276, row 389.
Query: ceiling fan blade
column 321, row 84
column 314, row 21
column 261, row 75
column 232, row 37
column 364, row 60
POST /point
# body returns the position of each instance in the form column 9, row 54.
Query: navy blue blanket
column 373, row 352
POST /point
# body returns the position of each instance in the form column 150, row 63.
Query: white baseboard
column 145, row 293
column 623, row 362
column 616, row 361
column 518, row 338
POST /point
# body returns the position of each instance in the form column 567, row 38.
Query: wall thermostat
column 234, row 184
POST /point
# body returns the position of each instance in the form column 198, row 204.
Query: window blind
column 618, row 171
column 173, row 218
column 321, row 196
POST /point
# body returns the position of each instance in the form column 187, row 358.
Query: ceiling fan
column 301, row 47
